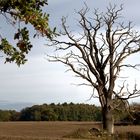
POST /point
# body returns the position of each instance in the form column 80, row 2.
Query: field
column 54, row 130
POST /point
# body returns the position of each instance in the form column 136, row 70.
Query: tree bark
column 108, row 120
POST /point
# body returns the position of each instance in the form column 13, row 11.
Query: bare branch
column 128, row 94
column 93, row 95
column 130, row 66
column 97, row 54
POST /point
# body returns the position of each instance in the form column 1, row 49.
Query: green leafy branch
column 27, row 12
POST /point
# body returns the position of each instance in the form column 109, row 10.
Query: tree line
column 54, row 112
column 61, row 112
column 68, row 112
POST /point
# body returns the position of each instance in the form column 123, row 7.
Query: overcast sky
column 39, row 81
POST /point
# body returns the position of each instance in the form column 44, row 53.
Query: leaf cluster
column 23, row 13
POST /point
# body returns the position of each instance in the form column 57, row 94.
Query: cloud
column 40, row 81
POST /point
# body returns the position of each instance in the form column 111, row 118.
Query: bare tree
column 97, row 56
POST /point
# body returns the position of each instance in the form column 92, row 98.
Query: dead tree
column 97, row 56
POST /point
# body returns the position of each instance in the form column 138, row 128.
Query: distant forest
column 68, row 112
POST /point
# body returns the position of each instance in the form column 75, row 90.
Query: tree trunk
column 108, row 121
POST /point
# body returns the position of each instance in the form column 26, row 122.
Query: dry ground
column 49, row 130
column 40, row 130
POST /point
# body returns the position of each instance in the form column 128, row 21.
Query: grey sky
column 39, row 81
